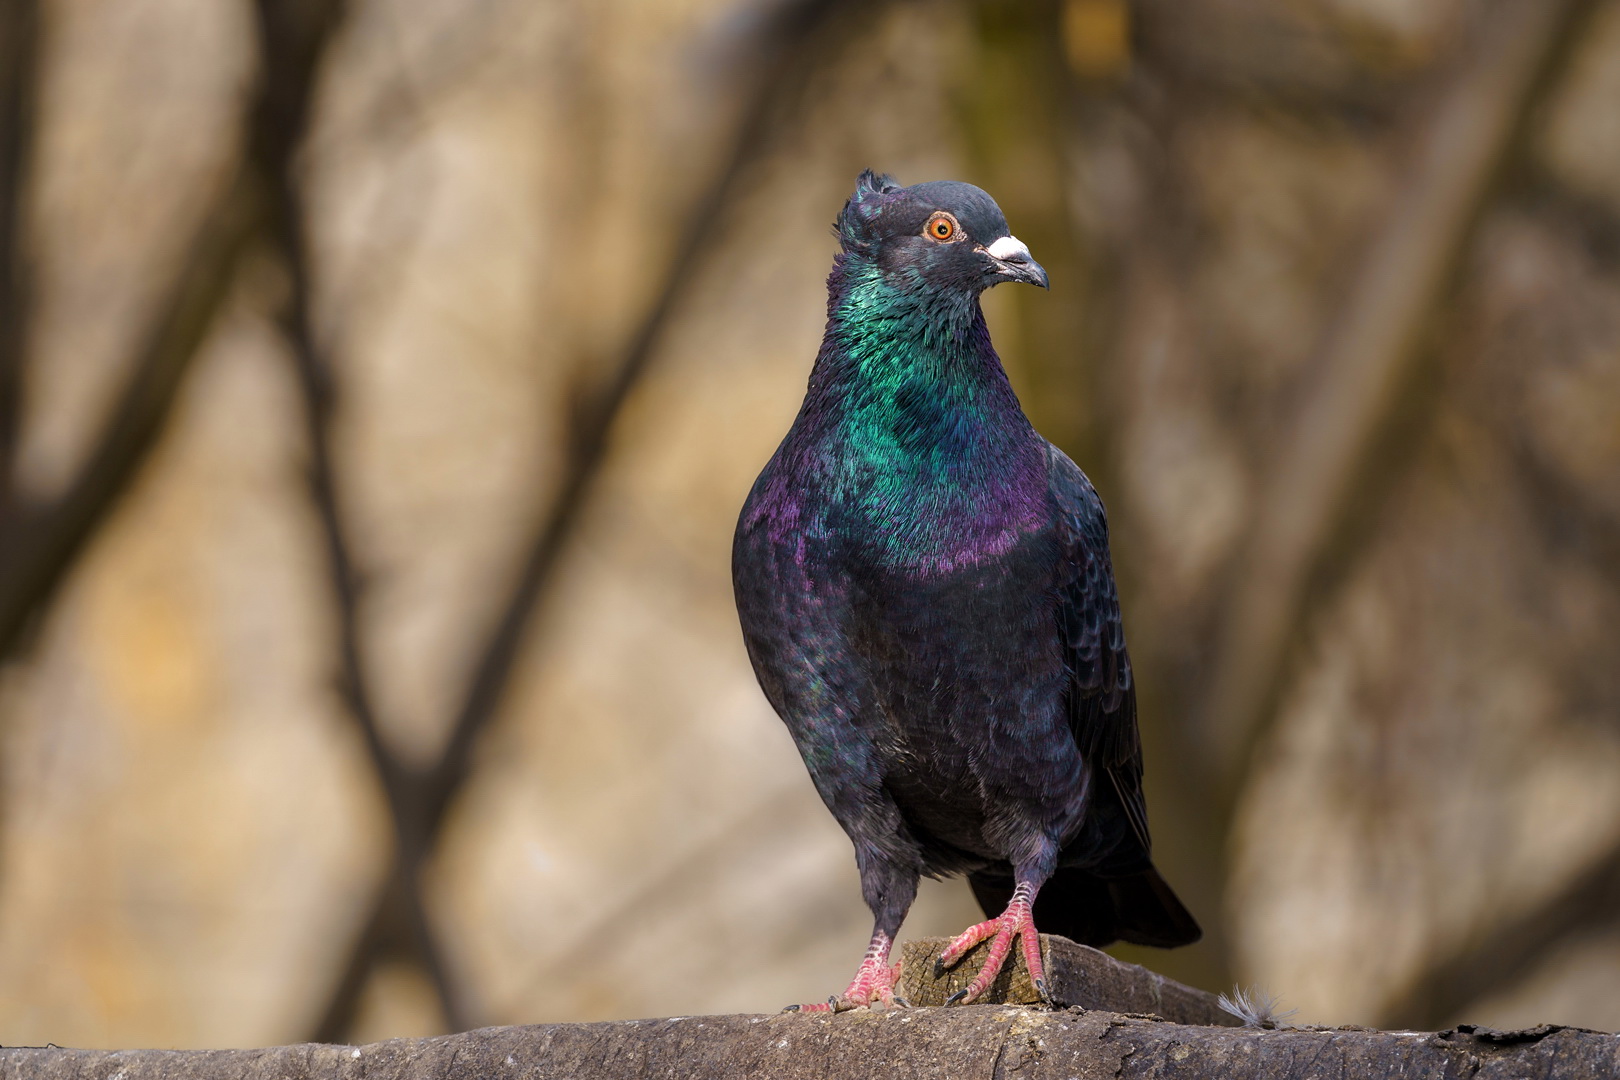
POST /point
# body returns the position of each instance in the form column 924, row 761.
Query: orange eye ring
column 941, row 228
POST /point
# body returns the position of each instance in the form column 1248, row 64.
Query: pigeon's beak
column 1013, row 262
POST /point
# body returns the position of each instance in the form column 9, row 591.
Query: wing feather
column 1102, row 696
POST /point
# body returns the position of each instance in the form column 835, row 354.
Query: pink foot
column 1018, row 921
column 874, row 981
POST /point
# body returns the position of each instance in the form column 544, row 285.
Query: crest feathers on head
column 855, row 221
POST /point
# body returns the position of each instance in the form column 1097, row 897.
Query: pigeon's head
column 943, row 235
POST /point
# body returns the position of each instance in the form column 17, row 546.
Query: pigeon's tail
column 1079, row 905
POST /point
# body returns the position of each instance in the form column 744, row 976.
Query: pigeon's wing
column 1102, row 698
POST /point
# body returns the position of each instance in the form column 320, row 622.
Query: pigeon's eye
column 941, row 227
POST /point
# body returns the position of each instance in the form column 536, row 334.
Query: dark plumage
column 925, row 590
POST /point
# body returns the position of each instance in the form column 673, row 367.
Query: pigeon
column 926, row 595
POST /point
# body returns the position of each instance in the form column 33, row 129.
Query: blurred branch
column 797, row 38
column 1356, row 416
column 293, row 38
column 759, row 823
column 1590, row 221
column 792, row 45
column 39, row 545
column 1342, row 430
column 462, row 50
column 1499, row 956
column 20, row 44
column 1303, row 54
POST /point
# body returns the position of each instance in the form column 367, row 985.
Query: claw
column 873, row 984
column 830, row 1005
column 1017, row 922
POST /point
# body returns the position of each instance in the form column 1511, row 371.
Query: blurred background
column 379, row 382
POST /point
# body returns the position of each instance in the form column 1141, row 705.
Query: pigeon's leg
column 889, row 890
column 1018, row 921
column 874, row 982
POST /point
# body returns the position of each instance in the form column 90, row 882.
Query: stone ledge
column 977, row 1042
column 1075, row 975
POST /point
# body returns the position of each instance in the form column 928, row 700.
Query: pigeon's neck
column 914, row 426
column 911, row 373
